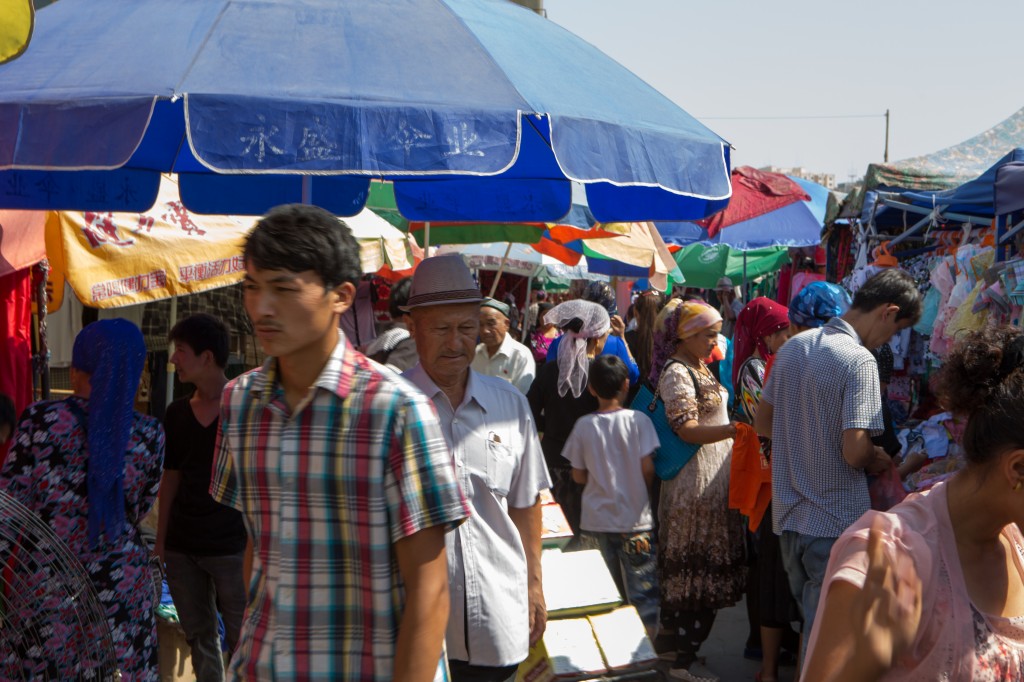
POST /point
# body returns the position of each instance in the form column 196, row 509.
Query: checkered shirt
column 325, row 493
column 824, row 382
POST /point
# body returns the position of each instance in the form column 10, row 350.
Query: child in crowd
column 611, row 455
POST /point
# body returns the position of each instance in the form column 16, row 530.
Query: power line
column 786, row 118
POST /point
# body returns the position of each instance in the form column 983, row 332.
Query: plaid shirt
column 326, row 492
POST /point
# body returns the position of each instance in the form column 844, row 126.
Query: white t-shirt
column 610, row 445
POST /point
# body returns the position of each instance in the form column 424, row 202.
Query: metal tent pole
column 529, row 290
column 169, row 388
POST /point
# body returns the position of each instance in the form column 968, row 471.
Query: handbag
column 673, row 452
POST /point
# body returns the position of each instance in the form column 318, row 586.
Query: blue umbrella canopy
column 476, row 109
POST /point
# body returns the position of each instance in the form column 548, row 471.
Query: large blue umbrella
column 798, row 224
column 477, row 109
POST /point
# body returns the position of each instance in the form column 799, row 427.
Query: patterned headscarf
column 694, row 317
column 112, row 353
column 817, row 303
column 678, row 320
column 759, row 319
column 580, row 321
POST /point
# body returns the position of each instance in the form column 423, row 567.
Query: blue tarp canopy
column 976, row 197
column 478, row 110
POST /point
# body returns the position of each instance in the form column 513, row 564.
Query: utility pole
column 886, row 157
column 536, row 5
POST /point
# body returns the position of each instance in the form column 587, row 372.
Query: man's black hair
column 299, row 237
column 8, row 417
column 607, row 372
column 890, row 287
column 202, row 333
column 399, row 297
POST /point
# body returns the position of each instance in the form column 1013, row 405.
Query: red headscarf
column 760, row 318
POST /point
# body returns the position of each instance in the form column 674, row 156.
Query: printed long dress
column 46, row 471
column 701, row 539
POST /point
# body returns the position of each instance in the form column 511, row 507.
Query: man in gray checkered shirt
column 820, row 407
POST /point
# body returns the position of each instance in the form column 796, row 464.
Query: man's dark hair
column 607, row 372
column 8, row 417
column 202, row 333
column 890, row 287
column 399, row 297
column 299, row 237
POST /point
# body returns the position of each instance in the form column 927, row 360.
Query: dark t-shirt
column 198, row 524
column 555, row 415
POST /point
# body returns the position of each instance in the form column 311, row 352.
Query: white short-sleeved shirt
column 824, row 382
column 513, row 362
column 610, row 445
column 498, row 464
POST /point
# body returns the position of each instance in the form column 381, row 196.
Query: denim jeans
column 805, row 558
column 200, row 585
column 632, row 559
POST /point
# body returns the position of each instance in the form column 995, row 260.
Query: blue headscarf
column 112, row 353
column 817, row 303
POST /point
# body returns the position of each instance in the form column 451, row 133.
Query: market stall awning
column 952, row 166
column 117, row 259
column 976, row 197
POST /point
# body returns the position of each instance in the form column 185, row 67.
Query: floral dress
column 701, row 539
column 46, row 470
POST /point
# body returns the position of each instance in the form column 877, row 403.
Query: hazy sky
column 947, row 69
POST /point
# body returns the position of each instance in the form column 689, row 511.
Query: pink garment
column 955, row 641
column 802, row 279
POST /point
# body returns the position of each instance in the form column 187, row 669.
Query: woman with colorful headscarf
column 559, row 396
column 816, row 304
column 602, row 294
column 761, row 329
column 700, row 538
column 90, row 466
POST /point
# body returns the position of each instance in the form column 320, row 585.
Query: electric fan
column 52, row 623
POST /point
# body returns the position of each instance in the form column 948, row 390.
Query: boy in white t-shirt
column 611, row 455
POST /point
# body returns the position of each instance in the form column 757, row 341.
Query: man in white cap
column 498, row 354
column 730, row 305
column 497, row 598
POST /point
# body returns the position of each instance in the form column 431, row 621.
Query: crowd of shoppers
column 378, row 516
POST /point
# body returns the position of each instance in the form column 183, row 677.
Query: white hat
column 442, row 280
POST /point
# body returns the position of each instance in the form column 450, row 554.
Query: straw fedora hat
column 442, row 280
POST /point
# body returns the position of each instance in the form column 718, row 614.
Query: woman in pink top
column 934, row 588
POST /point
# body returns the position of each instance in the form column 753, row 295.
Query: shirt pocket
column 500, row 466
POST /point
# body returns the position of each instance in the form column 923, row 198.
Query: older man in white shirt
column 498, row 354
column 497, row 597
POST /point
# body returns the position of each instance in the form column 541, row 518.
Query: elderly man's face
column 445, row 338
column 493, row 328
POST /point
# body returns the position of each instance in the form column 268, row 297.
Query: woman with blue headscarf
column 90, row 467
column 816, row 304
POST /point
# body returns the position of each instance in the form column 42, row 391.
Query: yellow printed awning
column 117, row 259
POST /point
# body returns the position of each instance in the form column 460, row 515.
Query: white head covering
column 580, row 320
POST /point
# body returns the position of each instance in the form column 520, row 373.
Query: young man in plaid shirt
column 342, row 475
